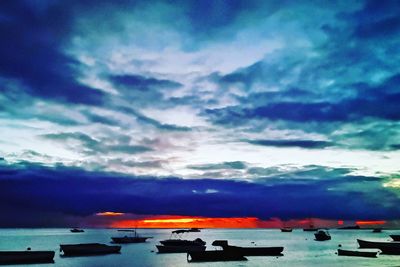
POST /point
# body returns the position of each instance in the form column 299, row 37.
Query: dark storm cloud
column 291, row 143
column 31, row 51
column 75, row 192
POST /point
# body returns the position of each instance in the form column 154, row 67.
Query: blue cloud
column 291, row 143
column 75, row 192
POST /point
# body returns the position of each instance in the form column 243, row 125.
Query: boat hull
column 128, row 240
column 254, row 251
column 352, row 253
column 179, row 249
column 214, row 255
column 25, row 257
column 286, row 230
column 88, row 249
column 395, row 237
column 392, row 248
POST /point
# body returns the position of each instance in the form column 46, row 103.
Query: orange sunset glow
column 127, row 220
column 188, row 222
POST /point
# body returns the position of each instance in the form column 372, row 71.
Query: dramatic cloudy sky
column 270, row 109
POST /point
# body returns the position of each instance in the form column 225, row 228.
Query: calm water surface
column 300, row 248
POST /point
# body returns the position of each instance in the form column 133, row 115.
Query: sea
column 300, row 248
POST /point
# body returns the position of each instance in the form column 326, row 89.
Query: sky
column 265, row 110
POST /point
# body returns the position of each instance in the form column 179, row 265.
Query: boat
column 135, row 238
column 355, row 253
column 183, row 242
column 175, row 244
column 310, row 229
column 179, row 249
column 377, row 230
column 26, row 257
column 395, row 237
column 248, row 251
column 286, row 230
column 322, row 235
column 386, row 247
column 76, row 230
column 352, row 227
column 88, row 249
column 214, row 255
column 194, row 230
column 390, row 250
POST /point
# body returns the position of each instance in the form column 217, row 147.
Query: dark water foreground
column 300, row 247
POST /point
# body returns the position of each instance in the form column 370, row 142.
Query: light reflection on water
column 300, row 248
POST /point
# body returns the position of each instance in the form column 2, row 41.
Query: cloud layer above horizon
column 242, row 95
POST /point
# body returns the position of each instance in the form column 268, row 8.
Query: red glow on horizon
column 188, row 222
column 340, row 222
column 369, row 222
column 110, row 213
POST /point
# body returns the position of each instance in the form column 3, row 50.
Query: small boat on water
column 355, row 253
column 248, row 251
column 351, row 227
column 395, row 237
column 286, row 230
column 88, row 249
column 175, row 244
column 76, row 230
column 214, row 255
column 377, row 230
column 179, row 249
column 26, row 257
column 322, row 235
column 134, row 238
column 386, row 247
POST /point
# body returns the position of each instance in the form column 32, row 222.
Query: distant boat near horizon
column 286, row 230
column 351, row 227
column 76, row 230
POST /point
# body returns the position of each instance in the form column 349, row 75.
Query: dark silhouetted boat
column 395, row 237
column 352, row 227
column 180, row 249
column 214, row 255
column 26, row 257
column 178, row 245
column 88, row 249
column 286, row 230
column 377, row 230
column 322, row 235
column 194, row 230
column 355, row 253
column 134, row 238
column 390, row 250
column 248, row 251
column 76, row 230
column 311, row 228
column 386, row 247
